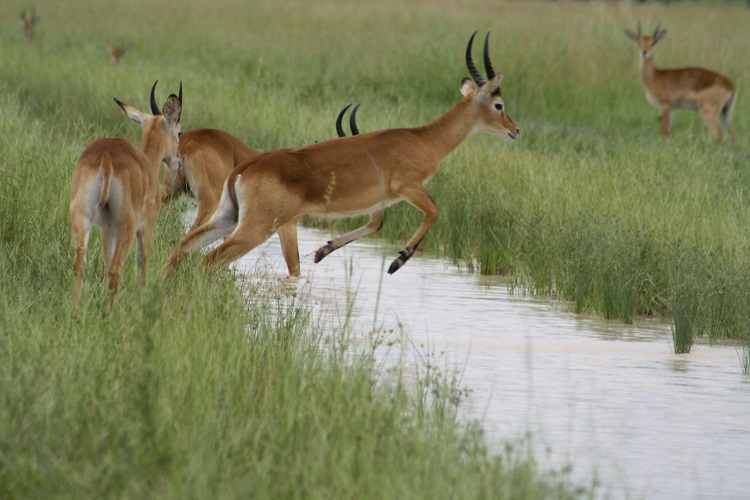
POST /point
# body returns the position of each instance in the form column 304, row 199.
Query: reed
column 170, row 396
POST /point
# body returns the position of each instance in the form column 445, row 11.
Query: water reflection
column 603, row 396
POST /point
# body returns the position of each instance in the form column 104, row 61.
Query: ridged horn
column 339, row 128
column 179, row 96
column 353, row 121
column 487, row 62
column 475, row 74
column 154, row 108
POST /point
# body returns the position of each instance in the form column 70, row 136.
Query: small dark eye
column 499, row 106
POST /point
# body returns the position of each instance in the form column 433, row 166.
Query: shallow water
column 611, row 400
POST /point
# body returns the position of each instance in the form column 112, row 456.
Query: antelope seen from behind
column 355, row 175
column 115, row 187
column 29, row 23
column 706, row 91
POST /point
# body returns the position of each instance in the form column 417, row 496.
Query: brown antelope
column 706, row 91
column 29, row 23
column 115, row 186
column 356, row 175
column 117, row 51
column 208, row 156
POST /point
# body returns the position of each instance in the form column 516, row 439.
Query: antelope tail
column 726, row 110
column 105, row 168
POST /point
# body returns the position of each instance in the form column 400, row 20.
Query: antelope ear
column 467, row 86
column 631, row 35
column 137, row 116
column 172, row 109
column 493, row 86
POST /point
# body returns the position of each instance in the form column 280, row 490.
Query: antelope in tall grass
column 29, row 23
column 115, row 187
column 117, row 51
column 208, row 156
column 356, row 175
column 706, row 91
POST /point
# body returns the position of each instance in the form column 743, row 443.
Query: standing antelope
column 208, row 156
column 356, row 175
column 116, row 187
column 117, row 51
column 706, row 91
column 29, row 23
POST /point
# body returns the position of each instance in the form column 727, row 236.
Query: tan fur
column 28, row 23
column 117, row 51
column 208, row 156
column 115, row 187
column 711, row 94
column 354, row 175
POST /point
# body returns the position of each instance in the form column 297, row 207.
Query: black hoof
column 323, row 251
column 403, row 256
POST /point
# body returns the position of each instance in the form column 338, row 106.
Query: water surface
column 612, row 400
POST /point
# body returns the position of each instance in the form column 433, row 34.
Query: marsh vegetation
column 166, row 396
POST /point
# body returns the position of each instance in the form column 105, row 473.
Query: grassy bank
column 189, row 389
column 167, row 397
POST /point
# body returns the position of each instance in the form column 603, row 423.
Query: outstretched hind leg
column 248, row 235
column 211, row 231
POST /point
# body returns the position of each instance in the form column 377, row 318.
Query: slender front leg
column 666, row 122
column 420, row 199
column 289, row 246
column 373, row 225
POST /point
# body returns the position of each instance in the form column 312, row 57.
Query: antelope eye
column 499, row 106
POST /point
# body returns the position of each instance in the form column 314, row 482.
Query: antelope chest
column 652, row 100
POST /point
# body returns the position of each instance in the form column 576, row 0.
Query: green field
column 166, row 397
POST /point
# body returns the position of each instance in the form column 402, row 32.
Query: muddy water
column 611, row 400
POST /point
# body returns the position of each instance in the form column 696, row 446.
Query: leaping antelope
column 115, row 186
column 29, row 23
column 706, row 91
column 356, row 175
column 117, row 51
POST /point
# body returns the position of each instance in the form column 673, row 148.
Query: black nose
column 518, row 131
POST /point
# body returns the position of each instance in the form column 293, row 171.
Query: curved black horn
column 475, row 74
column 353, row 121
column 656, row 31
column 154, row 108
column 339, row 128
column 487, row 62
column 179, row 96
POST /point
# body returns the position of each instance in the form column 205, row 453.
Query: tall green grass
column 203, row 386
column 188, row 389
